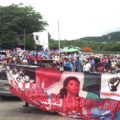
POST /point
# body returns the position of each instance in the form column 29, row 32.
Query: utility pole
column 59, row 35
column 24, row 39
column 48, row 43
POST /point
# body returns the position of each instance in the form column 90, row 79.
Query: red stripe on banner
column 49, row 78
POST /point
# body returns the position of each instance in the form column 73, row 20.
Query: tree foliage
column 17, row 19
column 30, row 43
column 95, row 46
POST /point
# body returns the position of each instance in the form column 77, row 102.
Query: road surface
column 12, row 109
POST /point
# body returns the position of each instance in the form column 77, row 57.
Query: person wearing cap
column 86, row 66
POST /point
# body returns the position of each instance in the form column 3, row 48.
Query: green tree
column 30, row 43
column 15, row 19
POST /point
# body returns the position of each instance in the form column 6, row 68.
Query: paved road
column 12, row 109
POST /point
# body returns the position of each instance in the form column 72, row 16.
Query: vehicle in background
column 4, row 85
column 50, row 63
column 46, row 63
column 3, row 56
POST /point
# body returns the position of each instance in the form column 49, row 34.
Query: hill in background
column 105, row 38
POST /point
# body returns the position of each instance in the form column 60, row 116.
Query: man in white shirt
column 86, row 66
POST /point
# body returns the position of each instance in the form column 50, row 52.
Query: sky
column 76, row 18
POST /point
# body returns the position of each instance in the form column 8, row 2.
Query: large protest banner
column 78, row 95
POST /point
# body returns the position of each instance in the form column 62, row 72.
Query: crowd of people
column 78, row 62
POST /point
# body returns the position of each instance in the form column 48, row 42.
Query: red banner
column 72, row 94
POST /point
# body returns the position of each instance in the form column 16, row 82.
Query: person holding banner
column 26, row 104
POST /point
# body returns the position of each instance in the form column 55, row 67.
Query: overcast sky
column 77, row 18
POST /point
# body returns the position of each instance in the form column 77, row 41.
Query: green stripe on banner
column 92, row 83
column 92, row 95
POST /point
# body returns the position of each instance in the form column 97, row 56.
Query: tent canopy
column 70, row 49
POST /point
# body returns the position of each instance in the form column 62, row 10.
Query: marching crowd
column 78, row 62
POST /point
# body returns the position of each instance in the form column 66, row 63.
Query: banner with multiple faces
column 73, row 94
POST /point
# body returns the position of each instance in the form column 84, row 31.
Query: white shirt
column 86, row 67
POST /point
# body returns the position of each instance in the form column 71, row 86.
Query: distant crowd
column 78, row 62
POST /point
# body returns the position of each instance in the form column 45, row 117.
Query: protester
column 86, row 66
column 78, row 65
